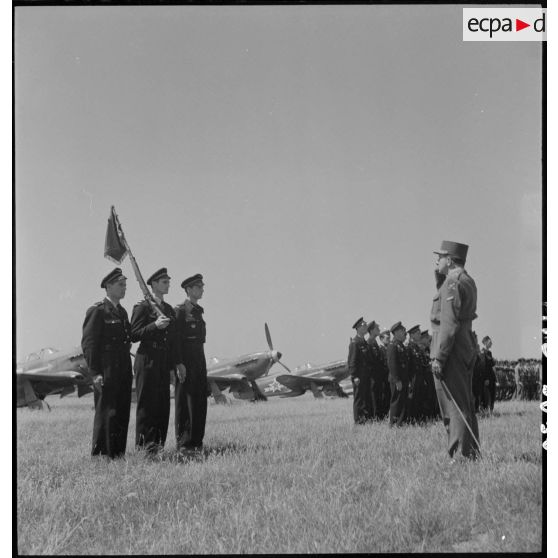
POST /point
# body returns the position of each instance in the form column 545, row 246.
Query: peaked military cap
column 455, row 249
column 191, row 281
column 359, row 322
column 371, row 326
column 385, row 331
column 159, row 274
column 114, row 275
column 424, row 333
column 396, row 326
column 485, row 338
column 413, row 329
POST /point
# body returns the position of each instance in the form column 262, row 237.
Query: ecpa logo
column 504, row 24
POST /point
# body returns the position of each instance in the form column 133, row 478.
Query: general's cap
column 191, row 281
column 396, row 326
column 455, row 249
column 114, row 275
column 359, row 322
column 159, row 274
column 371, row 326
column 413, row 329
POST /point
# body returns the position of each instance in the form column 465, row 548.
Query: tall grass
column 285, row 476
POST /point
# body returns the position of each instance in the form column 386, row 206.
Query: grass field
column 285, row 476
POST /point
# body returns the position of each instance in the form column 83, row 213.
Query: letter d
column 542, row 21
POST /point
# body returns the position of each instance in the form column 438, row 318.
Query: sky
column 306, row 160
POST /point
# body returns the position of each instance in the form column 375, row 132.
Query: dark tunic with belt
column 398, row 364
column 157, row 355
column 360, row 368
column 106, row 345
column 191, row 396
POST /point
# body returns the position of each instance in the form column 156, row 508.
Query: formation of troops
column 171, row 347
column 408, row 376
column 377, row 363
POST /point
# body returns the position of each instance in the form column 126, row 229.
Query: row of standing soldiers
column 390, row 377
column 171, row 347
column 521, row 379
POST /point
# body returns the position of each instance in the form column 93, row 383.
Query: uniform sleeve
column 142, row 323
column 351, row 360
column 393, row 364
column 91, row 339
column 176, row 353
column 450, row 301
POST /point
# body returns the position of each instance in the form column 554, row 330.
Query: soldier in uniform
column 360, row 368
column 453, row 348
column 385, row 391
column 191, row 392
column 489, row 374
column 430, row 404
column 376, row 376
column 420, row 374
column 416, row 390
column 398, row 364
column 519, row 377
column 106, row 346
column 157, row 354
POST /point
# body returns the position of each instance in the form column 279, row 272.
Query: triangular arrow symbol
column 519, row 25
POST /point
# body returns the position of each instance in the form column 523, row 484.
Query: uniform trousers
column 112, row 407
column 153, row 399
column 398, row 403
column 458, row 378
column 362, row 400
column 190, row 399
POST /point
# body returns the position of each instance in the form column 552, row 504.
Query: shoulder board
column 100, row 303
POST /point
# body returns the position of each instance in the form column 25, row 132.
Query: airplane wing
column 42, row 375
column 299, row 384
column 235, row 382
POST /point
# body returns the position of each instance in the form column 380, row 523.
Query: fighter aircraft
column 320, row 379
column 51, row 372
column 239, row 374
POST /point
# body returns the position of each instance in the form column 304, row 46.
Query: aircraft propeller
column 270, row 344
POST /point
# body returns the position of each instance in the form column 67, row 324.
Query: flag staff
column 116, row 249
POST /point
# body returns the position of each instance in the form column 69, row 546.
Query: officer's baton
column 448, row 392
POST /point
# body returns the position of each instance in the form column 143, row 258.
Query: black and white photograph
column 279, row 278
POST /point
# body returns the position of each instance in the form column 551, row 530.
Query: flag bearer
column 157, row 354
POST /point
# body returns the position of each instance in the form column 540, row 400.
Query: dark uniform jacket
column 153, row 340
column 415, row 360
column 359, row 359
column 377, row 359
column 106, row 339
column 398, row 362
column 191, row 332
column 190, row 323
